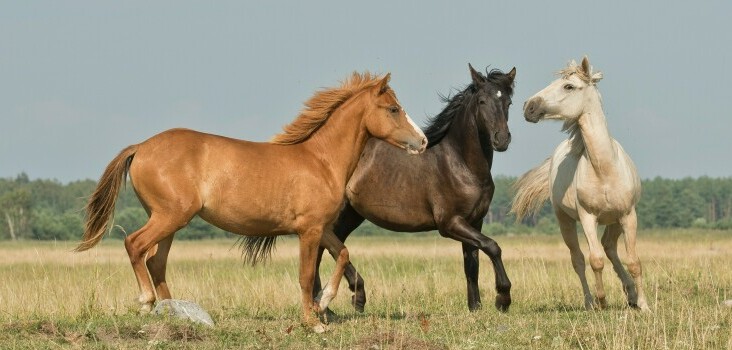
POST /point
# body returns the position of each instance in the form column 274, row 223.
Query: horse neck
column 471, row 142
column 339, row 142
column 596, row 137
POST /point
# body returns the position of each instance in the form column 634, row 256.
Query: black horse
column 448, row 188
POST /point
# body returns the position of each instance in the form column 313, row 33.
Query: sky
column 80, row 80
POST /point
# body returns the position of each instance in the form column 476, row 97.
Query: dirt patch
column 393, row 340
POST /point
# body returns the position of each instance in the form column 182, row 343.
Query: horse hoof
column 319, row 328
column 644, row 307
column 145, row 309
column 503, row 302
column 328, row 316
column 358, row 304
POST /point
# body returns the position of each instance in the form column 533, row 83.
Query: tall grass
column 416, row 297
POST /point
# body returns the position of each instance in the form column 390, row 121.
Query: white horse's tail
column 532, row 190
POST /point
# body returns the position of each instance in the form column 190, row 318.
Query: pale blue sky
column 80, row 80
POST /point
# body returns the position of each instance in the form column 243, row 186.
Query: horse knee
column 634, row 268
column 343, row 256
column 493, row 249
column 597, row 262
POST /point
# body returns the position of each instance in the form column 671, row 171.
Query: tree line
column 50, row 210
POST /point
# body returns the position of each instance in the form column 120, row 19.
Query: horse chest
column 607, row 201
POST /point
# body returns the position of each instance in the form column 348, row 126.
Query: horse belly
column 397, row 217
column 246, row 220
column 250, row 205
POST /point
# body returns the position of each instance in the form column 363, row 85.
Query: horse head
column 565, row 98
column 491, row 100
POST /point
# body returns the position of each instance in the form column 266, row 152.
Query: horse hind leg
column 138, row 245
column 610, row 244
column 156, row 263
column 630, row 226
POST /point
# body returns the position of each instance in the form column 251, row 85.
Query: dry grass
column 416, row 297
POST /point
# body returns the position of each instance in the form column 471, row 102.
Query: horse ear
column 477, row 77
column 384, row 83
column 586, row 65
column 512, row 74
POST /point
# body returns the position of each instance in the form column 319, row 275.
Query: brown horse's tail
column 256, row 249
column 100, row 208
column 532, row 190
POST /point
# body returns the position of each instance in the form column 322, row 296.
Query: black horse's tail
column 256, row 249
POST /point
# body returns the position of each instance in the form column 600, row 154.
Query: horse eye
column 394, row 109
column 569, row 87
column 482, row 102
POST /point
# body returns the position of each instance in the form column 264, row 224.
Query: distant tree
column 16, row 211
column 128, row 220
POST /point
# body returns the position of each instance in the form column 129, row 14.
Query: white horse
column 589, row 178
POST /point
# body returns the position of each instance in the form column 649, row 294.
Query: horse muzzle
column 500, row 140
column 533, row 110
column 416, row 148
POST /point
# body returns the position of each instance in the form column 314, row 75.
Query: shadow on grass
column 333, row 317
column 576, row 308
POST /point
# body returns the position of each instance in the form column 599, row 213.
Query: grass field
column 51, row 298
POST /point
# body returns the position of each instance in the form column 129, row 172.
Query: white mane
column 590, row 77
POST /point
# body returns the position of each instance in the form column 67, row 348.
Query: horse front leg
column 597, row 258
column 340, row 252
column 568, row 227
column 309, row 241
column 458, row 229
column 471, row 265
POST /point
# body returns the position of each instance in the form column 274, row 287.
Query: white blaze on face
column 416, row 128
column 498, row 94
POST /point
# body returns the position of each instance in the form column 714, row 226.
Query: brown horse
column 293, row 184
column 451, row 189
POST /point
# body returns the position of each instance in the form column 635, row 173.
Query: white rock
column 183, row 309
column 727, row 303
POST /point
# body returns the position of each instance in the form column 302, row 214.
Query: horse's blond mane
column 590, row 77
column 577, row 143
column 320, row 107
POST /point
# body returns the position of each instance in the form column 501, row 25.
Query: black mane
column 438, row 126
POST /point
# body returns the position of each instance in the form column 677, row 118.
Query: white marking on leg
column 326, row 296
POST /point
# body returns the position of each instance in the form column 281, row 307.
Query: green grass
column 51, row 298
